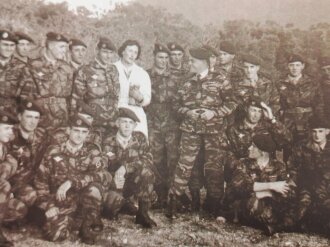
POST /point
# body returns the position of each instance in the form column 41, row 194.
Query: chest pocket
column 97, row 84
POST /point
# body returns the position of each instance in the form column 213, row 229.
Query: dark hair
column 129, row 42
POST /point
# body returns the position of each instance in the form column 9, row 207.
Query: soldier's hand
column 62, row 190
column 120, row 177
column 268, row 113
column 207, row 114
column 194, row 114
column 52, row 212
column 134, row 92
column 281, row 187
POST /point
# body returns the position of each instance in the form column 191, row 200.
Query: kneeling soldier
column 70, row 183
column 131, row 164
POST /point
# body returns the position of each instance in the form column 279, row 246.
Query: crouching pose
column 131, row 165
column 70, row 183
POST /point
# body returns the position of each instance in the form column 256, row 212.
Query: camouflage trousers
column 190, row 146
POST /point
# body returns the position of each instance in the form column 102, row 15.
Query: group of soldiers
column 71, row 152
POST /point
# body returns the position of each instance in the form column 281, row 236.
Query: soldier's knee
column 28, row 195
column 4, row 187
column 95, row 192
column 21, row 209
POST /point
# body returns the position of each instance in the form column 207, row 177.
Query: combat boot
column 171, row 207
column 4, row 242
column 212, row 205
column 128, row 208
column 195, row 200
column 90, row 229
column 142, row 216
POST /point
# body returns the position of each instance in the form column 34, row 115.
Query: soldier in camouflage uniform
column 132, row 167
column 10, row 208
column 261, row 188
column 205, row 100
column 78, row 50
column 97, row 84
column 298, row 100
column 71, row 182
column 23, row 48
column 163, row 122
column 50, row 82
column 12, row 71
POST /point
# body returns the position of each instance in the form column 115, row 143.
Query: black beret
column 211, row 49
column 80, row 121
column 249, row 58
column 21, row 36
column 76, row 42
column 29, row 105
column 172, row 46
column 105, row 43
column 128, row 113
column 200, row 53
column 160, row 48
column 52, row 36
column 264, row 142
column 254, row 101
column 9, row 36
column 83, row 108
column 324, row 61
column 317, row 122
column 295, row 58
column 228, row 47
column 7, row 118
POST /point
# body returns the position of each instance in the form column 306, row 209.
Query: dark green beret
column 7, row 118
column 264, row 142
column 24, row 36
column 228, row 47
column 172, row 46
column 76, row 42
column 105, row 43
column 249, row 58
column 254, row 101
column 52, row 36
column 211, row 49
column 295, row 58
column 9, row 36
column 128, row 113
column 200, row 53
column 324, row 61
column 160, row 48
column 317, row 122
column 29, row 105
column 80, row 121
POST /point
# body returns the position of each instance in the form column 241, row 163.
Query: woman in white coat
column 135, row 87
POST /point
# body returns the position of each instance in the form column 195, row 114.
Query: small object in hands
column 120, row 177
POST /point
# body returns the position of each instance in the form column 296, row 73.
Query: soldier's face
column 326, row 71
column 254, row 152
column 197, row 65
column 176, row 58
column 78, row 135
column 58, row 49
column 225, row 58
column 254, row 114
column 250, row 70
column 296, row 68
column 213, row 61
column 320, row 135
column 161, row 60
column 126, row 126
column 6, row 132
column 78, row 53
column 23, row 47
column 106, row 56
column 29, row 120
column 7, row 48
column 130, row 54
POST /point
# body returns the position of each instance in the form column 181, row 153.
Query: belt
column 299, row 110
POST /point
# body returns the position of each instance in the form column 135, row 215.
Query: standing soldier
column 97, row 84
column 179, row 70
column 205, row 100
column 298, row 100
column 24, row 46
column 8, row 166
column 130, row 161
column 50, row 82
column 71, row 182
column 163, row 122
column 12, row 71
column 78, row 50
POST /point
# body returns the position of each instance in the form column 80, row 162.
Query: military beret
column 200, row 53
column 211, row 49
column 76, row 42
column 317, row 122
column 9, row 36
column 264, row 142
column 29, row 105
column 254, row 101
column 160, row 48
column 83, row 108
column 52, row 36
column 80, row 121
column 172, row 46
column 295, row 58
column 24, row 36
column 128, row 113
column 324, row 61
column 228, row 47
column 7, row 118
column 249, row 58
column 105, row 43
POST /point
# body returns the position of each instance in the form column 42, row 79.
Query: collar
column 246, row 125
column 72, row 149
column 98, row 62
column 294, row 80
column 49, row 60
column 75, row 65
column 252, row 82
column 123, row 141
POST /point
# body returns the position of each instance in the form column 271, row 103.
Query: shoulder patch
column 57, row 158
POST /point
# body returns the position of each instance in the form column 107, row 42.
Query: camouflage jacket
column 323, row 108
column 231, row 73
column 98, row 87
column 85, row 166
column 212, row 93
column 240, row 135
column 8, row 164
